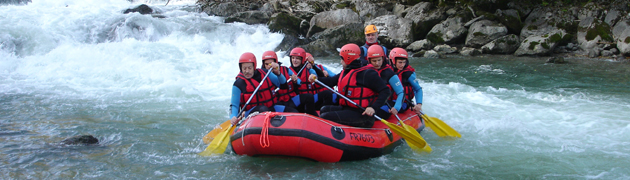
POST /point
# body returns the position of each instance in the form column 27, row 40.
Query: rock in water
column 81, row 140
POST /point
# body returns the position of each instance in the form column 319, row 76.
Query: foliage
column 532, row 45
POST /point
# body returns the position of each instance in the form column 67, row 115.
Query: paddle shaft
column 289, row 80
column 344, row 97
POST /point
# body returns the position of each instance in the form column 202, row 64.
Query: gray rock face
column 484, row 31
column 612, row 17
column 330, row 39
column 511, row 19
column 542, row 21
column 540, row 44
column 592, row 31
column 420, row 45
column 330, row 19
column 394, row 31
column 368, row 10
column 621, row 33
column 503, row 45
column 424, row 17
column 449, row 31
column 591, row 10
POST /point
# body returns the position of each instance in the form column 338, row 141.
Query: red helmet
column 270, row 55
column 309, row 55
column 350, row 52
column 298, row 51
column 397, row 53
column 247, row 57
column 375, row 51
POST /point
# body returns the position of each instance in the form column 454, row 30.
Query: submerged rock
column 81, row 140
column 142, row 9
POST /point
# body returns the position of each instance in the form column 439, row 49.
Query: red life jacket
column 387, row 66
column 264, row 96
column 305, row 87
column 286, row 94
column 409, row 93
column 361, row 95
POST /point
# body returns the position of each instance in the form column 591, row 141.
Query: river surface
column 150, row 88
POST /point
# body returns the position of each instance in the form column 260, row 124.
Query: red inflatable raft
column 306, row 136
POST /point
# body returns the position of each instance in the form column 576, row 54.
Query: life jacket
column 264, row 95
column 409, row 93
column 316, row 88
column 286, row 94
column 386, row 79
column 361, row 95
column 305, row 87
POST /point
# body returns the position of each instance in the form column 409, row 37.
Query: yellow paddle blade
column 215, row 131
column 414, row 132
column 416, row 142
column 439, row 127
column 219, row 144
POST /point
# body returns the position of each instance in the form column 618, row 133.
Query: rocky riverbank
column 594, row 28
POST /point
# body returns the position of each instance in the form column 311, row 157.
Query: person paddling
column 320, row 70
column 376, row 57
column 371, row 38
column 287, row 98
column 407, row 75
column 298, row 61
column 246, row 83
column 362, row 85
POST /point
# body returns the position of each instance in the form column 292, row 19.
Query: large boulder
column 523, row 8
column 545, row 20
column 420, row 45
column 291, row 26
column 621, row 32
column 393, row 30
column 591, row 33
column 223, row 9
column 449, row 31
column 330, row 19
column 540, row 44
column 287, row 24
column 424, row 16
column 503, row 45
column 369, row 10
column 484, row 31
column 249, row 17
column 329, row 40
column 511, row 19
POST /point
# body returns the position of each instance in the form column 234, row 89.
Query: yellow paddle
column 208, row 137
column 413, row 132
column 413, row 140
column 439, row 127
column 219, row 144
